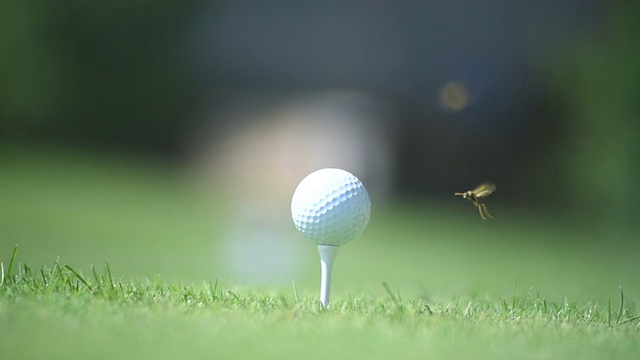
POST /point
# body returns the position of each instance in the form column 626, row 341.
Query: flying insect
column 477, row 194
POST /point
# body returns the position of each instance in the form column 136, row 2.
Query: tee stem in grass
column 327, row 255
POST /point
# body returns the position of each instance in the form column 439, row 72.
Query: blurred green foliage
column 585, row 146
column 108, row 71
column 601, row 84
column 112, row 73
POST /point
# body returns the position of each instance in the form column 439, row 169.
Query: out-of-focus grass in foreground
column 57, row 312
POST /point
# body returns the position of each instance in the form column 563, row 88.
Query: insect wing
column 484, row 190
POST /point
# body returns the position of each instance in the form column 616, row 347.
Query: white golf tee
column 327, row 255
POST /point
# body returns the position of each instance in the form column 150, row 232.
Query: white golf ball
column 331, row 207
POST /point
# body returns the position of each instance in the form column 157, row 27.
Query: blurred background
column 167, row 138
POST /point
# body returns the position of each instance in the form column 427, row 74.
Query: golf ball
column 331, row 207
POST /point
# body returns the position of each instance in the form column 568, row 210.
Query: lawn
column 121, row 259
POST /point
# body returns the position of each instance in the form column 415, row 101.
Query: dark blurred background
column 419, row 98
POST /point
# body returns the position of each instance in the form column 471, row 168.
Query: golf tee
column 327, row 255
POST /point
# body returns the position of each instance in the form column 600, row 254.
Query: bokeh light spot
column 454, row 96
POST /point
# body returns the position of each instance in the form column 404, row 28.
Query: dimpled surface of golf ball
column 331, row 207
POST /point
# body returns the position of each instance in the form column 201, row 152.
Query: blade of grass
column 609, row 318
column 95, row 276
column 213, row 289
column 428, row 309
column 26, row 273
column 513, row 300
column 44, row 277
column 13, row 258
column 68, row 282
column 630, row 319
column 78, row 276
column 505, row 307
column 621, row 305
column 109, row 275
column 391, row 295
column 295, row 290
column 57, row 270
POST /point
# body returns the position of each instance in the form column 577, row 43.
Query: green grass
column 425, row 280
column 59, row 312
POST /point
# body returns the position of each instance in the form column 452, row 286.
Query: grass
column 59, row 312
column 425, row 280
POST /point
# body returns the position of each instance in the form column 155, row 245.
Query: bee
column 475, row 195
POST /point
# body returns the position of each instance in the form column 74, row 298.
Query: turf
column 58, row 312
column 426, row 279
